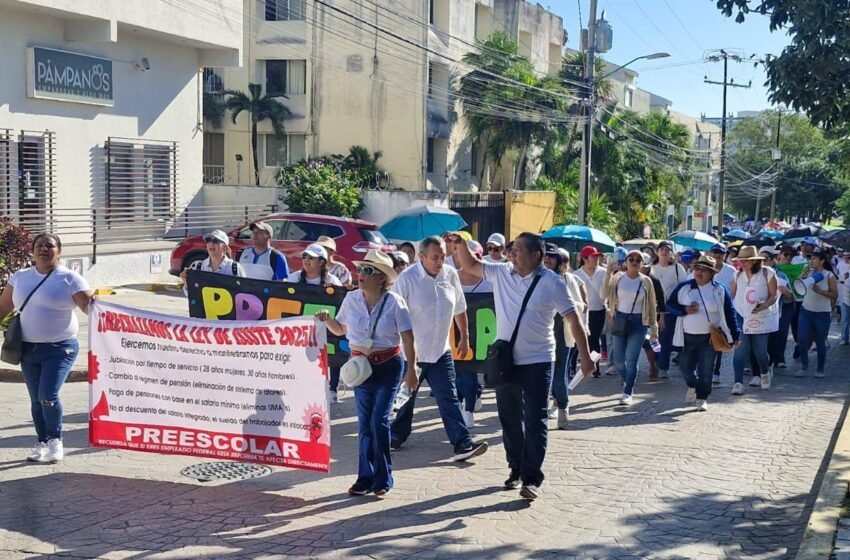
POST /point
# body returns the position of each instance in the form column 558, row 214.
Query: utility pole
column 588, row 114
column 777, row 156
column 726, row 84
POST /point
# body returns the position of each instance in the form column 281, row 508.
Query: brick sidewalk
column 652, row 481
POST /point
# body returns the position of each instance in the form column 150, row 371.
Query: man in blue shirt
column 262, row 261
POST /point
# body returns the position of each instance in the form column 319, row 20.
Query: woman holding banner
column 816, row 313
column 314, row 268
column 48, row 293
column 754, row 293
column 375, row 321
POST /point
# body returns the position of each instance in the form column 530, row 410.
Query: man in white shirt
column 262, row 261
column 670, row 274
column 494, row 250
column 522, row 402
column 435, row 297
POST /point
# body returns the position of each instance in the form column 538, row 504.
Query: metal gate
column 484, row 212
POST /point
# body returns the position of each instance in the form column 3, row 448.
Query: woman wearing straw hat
column 754, row 292
column 335, row 267
column 376, row 321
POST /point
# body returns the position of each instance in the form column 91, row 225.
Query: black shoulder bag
column 13, row 340
column 620, row 325
column 500, row 354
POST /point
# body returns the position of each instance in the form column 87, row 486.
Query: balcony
column 213, row 174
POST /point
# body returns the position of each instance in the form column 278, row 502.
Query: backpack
column 234, row 267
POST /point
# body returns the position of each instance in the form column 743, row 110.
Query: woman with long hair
column 816, row 313
column 376, row 323
column 49, row 293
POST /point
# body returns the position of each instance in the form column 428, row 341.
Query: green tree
column 260, row 108
column 321, row 186
column 811, row 73
column 599, row 213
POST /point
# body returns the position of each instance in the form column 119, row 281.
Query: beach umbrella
column 738, row 234
column 421, row 221
column 694, row 240
column 772, row 233
column 575, row 237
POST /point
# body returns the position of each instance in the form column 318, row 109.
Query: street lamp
column 584, row 186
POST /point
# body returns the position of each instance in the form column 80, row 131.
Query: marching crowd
column 553, row 323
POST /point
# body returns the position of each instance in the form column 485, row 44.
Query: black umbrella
column 799, row 233
column 759, row 241
column 839, row 238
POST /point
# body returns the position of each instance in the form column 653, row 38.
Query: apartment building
column 373, row 73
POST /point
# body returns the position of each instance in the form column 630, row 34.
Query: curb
column 15, row 376
column 819, row 536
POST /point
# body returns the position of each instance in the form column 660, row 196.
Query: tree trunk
column 520, row 170
column 254, row 149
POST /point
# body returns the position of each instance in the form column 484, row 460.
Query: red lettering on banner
column 222, row 336
column 200, row 334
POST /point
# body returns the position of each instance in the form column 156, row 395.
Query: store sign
column 67, row 76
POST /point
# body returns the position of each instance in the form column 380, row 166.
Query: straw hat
column 327, row 242
column 748, row 253
column 706, row 261
column 381, row 261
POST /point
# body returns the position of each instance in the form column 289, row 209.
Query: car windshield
column 374, row 236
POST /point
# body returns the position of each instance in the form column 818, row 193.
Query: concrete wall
column 532, row 211
column 236, row 196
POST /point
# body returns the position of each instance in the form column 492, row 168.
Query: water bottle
column 401, row 398
column 655, row 345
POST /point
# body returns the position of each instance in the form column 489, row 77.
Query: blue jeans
column 374, row 403
column 813, row 327
column 468, row 389
column 441, row 378
column 845, row 322
column 560, row 389
column 46, row 366
column 777, row 341
column 752, row 347
column 627, row 350
column 696, row 361
column 523, row 413
column 665, row 338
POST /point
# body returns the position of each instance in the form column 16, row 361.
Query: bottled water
column 401, row 398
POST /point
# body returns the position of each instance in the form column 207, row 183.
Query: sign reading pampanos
column 237, row 390
column 68, row 76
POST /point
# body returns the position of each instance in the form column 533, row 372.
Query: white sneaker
column 715, row 379
column 469, row 419
column 662, row 373
column 738, row 389
column 755, row 381
column 38, row 453
column 765, row 380
column 479, row 404
column 55, row 452
column 334, row 397
column 691, row 395
column 800, row 373
column 702, row 405
column 552, row 413
column 626, row 399
column 819, row 375
column 563, row 418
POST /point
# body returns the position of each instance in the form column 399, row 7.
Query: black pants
column 596, row 326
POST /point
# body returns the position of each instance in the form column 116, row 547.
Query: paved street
column 652, row 481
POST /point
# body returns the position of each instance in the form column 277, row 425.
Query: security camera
column 142, row 65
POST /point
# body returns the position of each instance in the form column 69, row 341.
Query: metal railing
column 96, row 227
column 214, row 174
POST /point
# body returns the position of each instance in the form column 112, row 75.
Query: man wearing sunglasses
column 494, row 249
column 434, row 296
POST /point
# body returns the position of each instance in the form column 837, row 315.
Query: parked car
column 292, row 233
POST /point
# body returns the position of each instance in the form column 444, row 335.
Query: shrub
column 15, row 249
column 321, row 186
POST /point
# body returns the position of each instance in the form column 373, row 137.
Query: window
column 284, row 10
column 212, row 80
column 141, row 180
column 629, row 97
column 288, row 77
column 429, row 156
column 374, row 236
column 278, row 227
column 310, row 231
column 280, row 152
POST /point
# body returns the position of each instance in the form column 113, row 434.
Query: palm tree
column 260, row 107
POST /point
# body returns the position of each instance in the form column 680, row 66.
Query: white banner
column 244, row 391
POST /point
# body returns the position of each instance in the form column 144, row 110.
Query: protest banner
column 243, row 390
column 218, row 296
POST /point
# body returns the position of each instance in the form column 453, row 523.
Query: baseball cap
column 686, row 256
column 496, row 239
column 315, row 250
column 770, row 250
column 718, row 248
column 620, row 253
column 216, row 235
column 551, row 249
column 402, row 256
column 647, row 260
column 666, row 243
column 820, row 252
column 588, row 251
column 262, row 226
column 810, row 241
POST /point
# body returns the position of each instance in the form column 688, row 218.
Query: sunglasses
column 307, row 257
column 367, row 270
column 635, row 260
column 494, row 249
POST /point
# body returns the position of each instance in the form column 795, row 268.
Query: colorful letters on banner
column 217, row 296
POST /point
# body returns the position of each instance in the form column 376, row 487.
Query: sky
column 686, row 29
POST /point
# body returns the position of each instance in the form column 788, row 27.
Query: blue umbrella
column 421, row 221
column 738, row 234
column 772, row 233
column 575, row 237
column 694, row 240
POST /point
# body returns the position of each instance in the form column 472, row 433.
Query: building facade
column 372, row 73
column 100, row 113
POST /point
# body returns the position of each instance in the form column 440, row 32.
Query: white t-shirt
column 751, row 291
column 535, row 341
column 227, row 267
column 842, row 270
column 259, row 266
column 698, row 323
column 627, row 289
column 593, row 287
column 670, row 276
column 726, row 276
column 295, row 278
column 433, row 302
column 816, row 302
column 49, row 315
column 394, row 319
